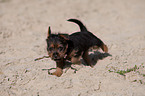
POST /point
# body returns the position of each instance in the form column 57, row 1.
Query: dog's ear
column 49, row 32
column 64, row 36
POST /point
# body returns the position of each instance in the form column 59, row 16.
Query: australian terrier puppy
column 72, row 47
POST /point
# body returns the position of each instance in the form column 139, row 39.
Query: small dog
column 62, row 47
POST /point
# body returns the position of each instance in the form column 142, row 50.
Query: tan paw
column 56, row 73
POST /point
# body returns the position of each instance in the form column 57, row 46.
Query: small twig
column 41, row 58
column 75, row 70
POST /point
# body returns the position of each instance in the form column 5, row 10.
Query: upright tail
column 82, row 27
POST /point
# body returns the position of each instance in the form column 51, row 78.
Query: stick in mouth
column 41, row 58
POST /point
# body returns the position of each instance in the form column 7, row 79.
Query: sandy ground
column 23, row 28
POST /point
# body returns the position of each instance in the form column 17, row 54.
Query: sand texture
column 23, row 30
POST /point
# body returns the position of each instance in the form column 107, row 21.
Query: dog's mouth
column 57, row 59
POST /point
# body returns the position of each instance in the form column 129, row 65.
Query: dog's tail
column 82, row 27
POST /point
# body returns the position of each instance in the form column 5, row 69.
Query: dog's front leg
column 59, row 68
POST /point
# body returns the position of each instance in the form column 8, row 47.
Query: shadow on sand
column 95, row 56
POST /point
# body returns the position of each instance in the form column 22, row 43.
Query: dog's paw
column 56, row 73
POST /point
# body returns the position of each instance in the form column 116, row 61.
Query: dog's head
column 57, row 45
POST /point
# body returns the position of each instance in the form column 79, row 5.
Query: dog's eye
column 50, row 49
column 60, row 48
column 46, row 40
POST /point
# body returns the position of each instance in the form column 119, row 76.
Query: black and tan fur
column 72, row 47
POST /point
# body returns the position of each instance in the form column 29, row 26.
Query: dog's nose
column 55, row 55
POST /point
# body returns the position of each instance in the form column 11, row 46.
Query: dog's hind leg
column 99, row 44
column 104, row 48
column 87, row 58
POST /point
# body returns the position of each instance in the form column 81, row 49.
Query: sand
column 23, row 30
